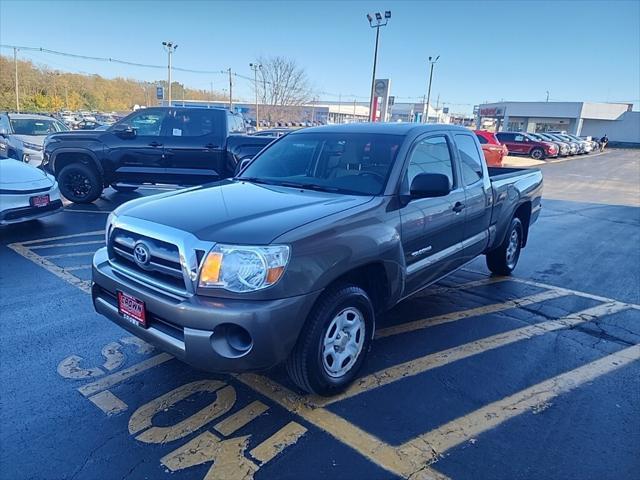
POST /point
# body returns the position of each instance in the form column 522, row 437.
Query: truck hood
column 33, row 139
column 240, row 212
column 77, row 135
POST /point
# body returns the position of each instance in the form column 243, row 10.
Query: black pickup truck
column 182, row 146
column 295, row 257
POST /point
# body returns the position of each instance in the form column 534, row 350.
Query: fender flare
column 94, row 159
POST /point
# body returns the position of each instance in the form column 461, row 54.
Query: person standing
column 603, row 142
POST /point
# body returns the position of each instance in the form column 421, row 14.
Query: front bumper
column 16, row 207
column 32, row 157
column 217, row 335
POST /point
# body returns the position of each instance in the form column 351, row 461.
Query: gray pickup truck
column 295, row 257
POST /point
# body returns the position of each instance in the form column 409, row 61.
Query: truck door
column 432, row 227
column 138, row 156
column 478, row 196
column 194, row 146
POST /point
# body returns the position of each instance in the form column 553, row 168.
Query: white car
column 26, row 192
column 22, row 135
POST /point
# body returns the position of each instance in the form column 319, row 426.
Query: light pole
column 15, row 63
column 377, row 24
column 255, row 67
column 426, row 117
column 170, row 47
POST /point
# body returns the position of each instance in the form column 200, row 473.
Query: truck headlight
column 238, row 268
column 107, row 229
column 32, row 146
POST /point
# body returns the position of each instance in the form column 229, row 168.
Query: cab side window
column 431, row 155
column 147, row 123
column 470, row 161
column 193, row 123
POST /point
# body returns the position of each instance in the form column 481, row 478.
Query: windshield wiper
column 257, row 180
column 309, row 186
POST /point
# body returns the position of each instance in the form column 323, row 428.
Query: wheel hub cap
column 343, row 342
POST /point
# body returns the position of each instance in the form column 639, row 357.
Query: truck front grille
column 162, row 268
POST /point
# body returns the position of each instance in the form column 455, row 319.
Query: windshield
column 36, row 126
column 352, row 163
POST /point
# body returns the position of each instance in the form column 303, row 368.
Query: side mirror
column 3, row 132
column 124, row 131
column 426, row 185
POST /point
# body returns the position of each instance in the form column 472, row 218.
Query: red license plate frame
column 40, row 200
column 132, row 309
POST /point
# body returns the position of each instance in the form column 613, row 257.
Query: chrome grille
column 163, row 267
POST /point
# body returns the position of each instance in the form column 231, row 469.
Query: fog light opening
column 231, row 341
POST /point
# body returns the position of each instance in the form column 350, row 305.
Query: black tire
column 538, row 154
column 123, row 189
column 80, row 183
column 502, row 260
column 306, row 365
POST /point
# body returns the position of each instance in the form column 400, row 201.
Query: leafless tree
column 283, row 84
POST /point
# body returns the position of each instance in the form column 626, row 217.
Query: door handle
column 458, row 207
column 155, row 144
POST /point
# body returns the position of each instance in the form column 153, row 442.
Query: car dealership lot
column 535, row 376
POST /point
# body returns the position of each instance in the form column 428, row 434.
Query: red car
column 493, row 150
column 520, row 143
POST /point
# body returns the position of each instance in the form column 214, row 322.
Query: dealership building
column 616, row 120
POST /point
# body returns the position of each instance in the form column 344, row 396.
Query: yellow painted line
column 460, row 430
column 117, row 377
column 63, row 237
column 60, row 272
column 472, row 312
column 573, row 292
column 142, row 418
column 108, row 403
column 460, row 352
column 229, row 461
column 241, row 418
column 70, row 244
column 113, row 356
column 67, row 255
column 382, row 454
column 276, row 443
column 70, row 368
column 436, row 290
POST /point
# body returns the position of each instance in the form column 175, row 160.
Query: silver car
column 22, row 135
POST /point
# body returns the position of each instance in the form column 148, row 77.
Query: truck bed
column 501, row 173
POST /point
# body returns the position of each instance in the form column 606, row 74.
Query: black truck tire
column 80, row 183
column 503, row 260
column 345, row 314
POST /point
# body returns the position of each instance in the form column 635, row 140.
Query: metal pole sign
column 160, row 93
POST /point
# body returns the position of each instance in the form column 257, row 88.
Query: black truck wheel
column 80, row 183
column 503, row 260
column 334, row 341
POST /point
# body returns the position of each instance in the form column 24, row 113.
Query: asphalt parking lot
column 527, row 377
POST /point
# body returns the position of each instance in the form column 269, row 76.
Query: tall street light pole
column 379, row 22
column 255, row 67
column 426, row 116
column 170, row 47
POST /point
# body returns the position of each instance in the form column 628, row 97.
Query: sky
column 489, row 50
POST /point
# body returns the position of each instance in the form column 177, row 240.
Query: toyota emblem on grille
column 141, row 254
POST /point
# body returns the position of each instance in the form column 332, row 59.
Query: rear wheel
column 80, row 183
column 503, row 260
column 537, row 153
column 334, row 341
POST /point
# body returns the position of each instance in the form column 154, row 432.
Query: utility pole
column 15, row 62
column 339, row 108
column 426, row 120
column 378, row 23
column 230, row 90
column 170, row 47
column 211, row 95
column 255, row 67
column 354, row 110
column 313, row 111
column 547, row 95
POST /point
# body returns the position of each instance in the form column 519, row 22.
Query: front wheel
column 80, row 183
column 537, row 153
column 503, row 260
column 334, row 341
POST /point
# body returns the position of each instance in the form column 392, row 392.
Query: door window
column 470, row 161
column 431, row 155
column 236, row 124
column 194, row 123
column 147, row 123
column 481, row 139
